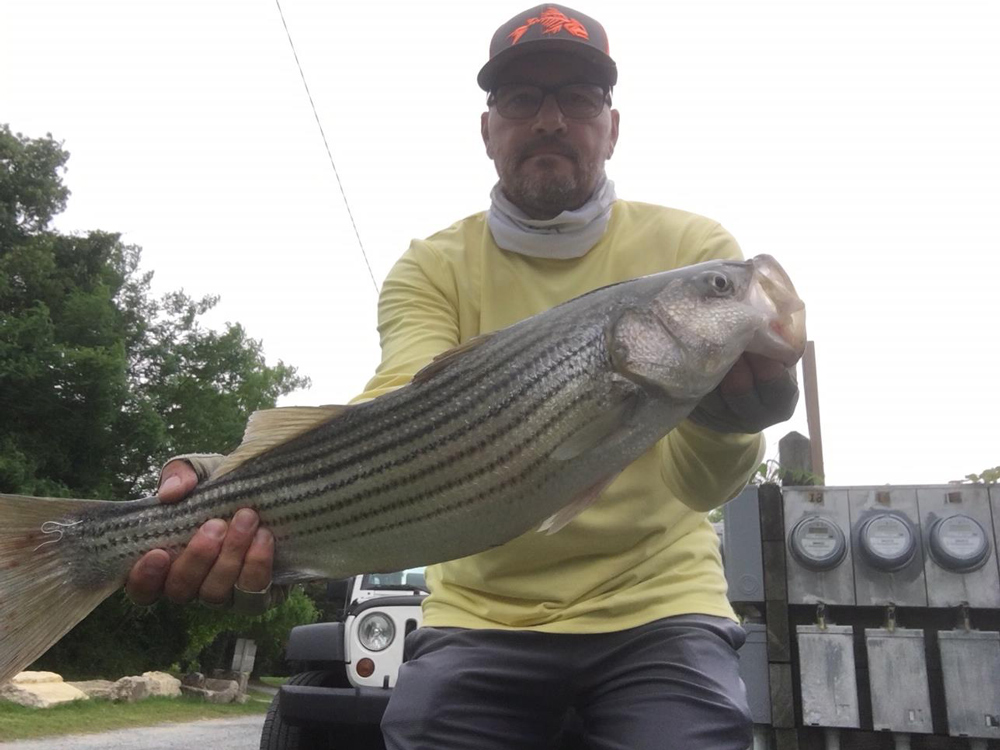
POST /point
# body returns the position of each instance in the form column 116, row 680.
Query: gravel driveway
column 217, row 734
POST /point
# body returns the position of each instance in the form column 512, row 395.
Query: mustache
column 547, row 145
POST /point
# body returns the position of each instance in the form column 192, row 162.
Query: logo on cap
column 553, row 21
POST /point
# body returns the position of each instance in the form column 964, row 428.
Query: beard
column 543, row 192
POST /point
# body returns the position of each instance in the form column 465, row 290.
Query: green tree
column 101, row 382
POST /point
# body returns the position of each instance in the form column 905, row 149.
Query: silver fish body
column 522, row 425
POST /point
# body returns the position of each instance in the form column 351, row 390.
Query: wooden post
column 811, row 389
column 779, row 654
column 244, row 655
column 795, row 454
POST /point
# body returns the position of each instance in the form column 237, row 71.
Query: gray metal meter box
column 755, row 672
column 818, row 535
column 970, row 663
column 888, row 550
column 741, row 548
column 960, row 560
column 828, row 681
column 897, row 673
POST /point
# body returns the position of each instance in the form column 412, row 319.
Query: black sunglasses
column 579, row 101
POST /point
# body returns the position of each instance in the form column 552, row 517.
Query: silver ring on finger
column 251, row 602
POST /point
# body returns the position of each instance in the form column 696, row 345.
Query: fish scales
column 316, row 447
column 308, row 495
column 518, row 427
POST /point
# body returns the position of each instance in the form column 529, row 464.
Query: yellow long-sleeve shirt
column 645, row 550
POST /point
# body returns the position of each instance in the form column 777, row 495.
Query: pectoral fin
column 271, row 427
column 600, row 431
column 588, row 497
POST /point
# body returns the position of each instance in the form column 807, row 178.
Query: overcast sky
column 854, row 140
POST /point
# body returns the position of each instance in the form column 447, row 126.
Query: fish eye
column 720, row 283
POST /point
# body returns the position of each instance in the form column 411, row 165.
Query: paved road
column 217, row 734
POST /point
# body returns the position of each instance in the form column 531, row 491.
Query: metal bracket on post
column 821, row 615
column 965, row 617
column 890, row 618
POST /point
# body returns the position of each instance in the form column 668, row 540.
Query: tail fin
column 39, row 601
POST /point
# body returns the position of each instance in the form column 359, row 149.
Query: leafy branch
column 771, row 472
column 987, row 476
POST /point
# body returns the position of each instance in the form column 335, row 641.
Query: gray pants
column 673, row 684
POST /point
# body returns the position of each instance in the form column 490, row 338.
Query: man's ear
column 484, row 129
column 613, row 140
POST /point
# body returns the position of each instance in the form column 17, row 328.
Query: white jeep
column 349, row 666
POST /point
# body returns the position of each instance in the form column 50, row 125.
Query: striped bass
column 514, row 430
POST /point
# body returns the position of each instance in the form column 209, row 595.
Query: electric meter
column 958, row 543
column 818, row 543
column 887, row 541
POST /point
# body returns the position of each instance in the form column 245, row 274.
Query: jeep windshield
column 411, row 579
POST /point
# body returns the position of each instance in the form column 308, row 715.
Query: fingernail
column 263, row 536
column 170, row 483
column 245, row 520
column 214, row 529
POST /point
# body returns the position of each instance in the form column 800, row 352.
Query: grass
column 274, row 681
column 79, row 717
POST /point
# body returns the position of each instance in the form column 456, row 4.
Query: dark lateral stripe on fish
column 288, row 483
column 301, row 457
column 447, row 388
column 404, row 439
column 367, row 492
column 506, row 484
column 490, row 492
column 430, row 492
column 230, row 497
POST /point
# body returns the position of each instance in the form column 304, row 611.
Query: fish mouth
column 783, row 337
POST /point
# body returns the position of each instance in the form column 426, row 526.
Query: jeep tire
column 279, row 735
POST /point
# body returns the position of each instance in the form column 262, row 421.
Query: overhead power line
column 326, row 144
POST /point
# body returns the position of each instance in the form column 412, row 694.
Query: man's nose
column 550, row 118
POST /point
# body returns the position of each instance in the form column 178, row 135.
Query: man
column 623, row 614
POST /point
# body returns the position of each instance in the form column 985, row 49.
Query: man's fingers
column 217, row 588
column 258, row 563
column 189, row 570
column 177, row 481
column 146, row 579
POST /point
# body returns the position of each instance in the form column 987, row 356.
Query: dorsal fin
column 445, row 359
column 272, row 427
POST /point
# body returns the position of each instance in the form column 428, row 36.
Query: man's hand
column 756, row 393
column 218, row 556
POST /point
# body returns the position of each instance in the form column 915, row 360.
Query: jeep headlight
column 376, row 631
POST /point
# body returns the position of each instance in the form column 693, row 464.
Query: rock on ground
column 95, row 688
column 40, row 690
column 131, row 689
column 215, row 691
column 163, row 684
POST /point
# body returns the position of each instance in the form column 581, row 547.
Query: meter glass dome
column 887, row 541
column 818, row 543
column 959, row 543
